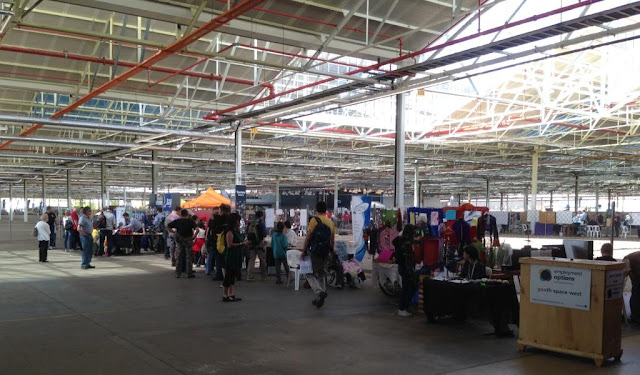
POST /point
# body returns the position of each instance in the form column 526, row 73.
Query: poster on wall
column 561, row 286
column 241, row 204
column 120, row 216
column 269, row 218
column 435, row 218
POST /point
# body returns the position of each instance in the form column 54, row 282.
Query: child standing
column 280, row 244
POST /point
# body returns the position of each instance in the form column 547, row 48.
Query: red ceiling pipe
column 102, row 60
column 172, row 49
column 274, row 51
column 312, row 20
column 429, row 48
column 76, row 81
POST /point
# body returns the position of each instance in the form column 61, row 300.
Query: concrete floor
column 131, row 316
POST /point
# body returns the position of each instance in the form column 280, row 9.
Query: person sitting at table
column 606, row 252
column 136, row 226
column 472, row 269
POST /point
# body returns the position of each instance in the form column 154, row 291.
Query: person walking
column 51, row 220
column 318, row 243
column 67, row 224
column 235, row 242
column 158, row 225
column 85, row 228
column 75, row 234
column 210, row 241
column 171, row 236
column 403, row 255
column 185, row 229
column 256, row 234
column 44, row 232
column 280, row 245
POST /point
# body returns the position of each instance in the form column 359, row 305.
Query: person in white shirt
column 44, row 235
column 292, row 237
column 107, row 232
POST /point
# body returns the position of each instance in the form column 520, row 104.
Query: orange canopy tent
column 210, row 199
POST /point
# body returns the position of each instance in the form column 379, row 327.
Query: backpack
column 35, row 231
column 253, row 235
column 220, row 245
column 68, row 225
column 96, row 221
column 102, row 221
column 321, row 238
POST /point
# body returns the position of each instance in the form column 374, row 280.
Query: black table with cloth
column 497, row 301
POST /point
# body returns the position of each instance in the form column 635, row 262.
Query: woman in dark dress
column 235, row 242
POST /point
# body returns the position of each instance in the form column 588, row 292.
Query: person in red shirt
column 75, row 235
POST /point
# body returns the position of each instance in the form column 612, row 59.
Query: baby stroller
column 344, row 266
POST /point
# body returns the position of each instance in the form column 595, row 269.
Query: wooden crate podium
column 594, row 333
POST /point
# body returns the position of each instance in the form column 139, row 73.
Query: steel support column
column 103, row 185
column 277, row 192
column 501, row 201
column 400, row 150
column 69, row 206
column 10, row 202
column 487, row 200
column 44, row 195
column 551, row 201
column 238, row 178
column 335, row 195
column 154, row 172
column 575, row 192
column 534, row 188
column 26, row 204
column 597, row 198
column 526, row 199
column 416, row 188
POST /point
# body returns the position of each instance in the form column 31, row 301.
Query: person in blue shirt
column 280, row 245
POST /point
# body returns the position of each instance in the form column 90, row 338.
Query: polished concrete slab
column 131, row 316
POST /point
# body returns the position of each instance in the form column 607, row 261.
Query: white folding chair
column 525, row 228
column 589, row 230
column 625, row 231
column 596, row 231
column 293, row 260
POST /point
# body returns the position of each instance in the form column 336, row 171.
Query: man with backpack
column 256, row 233
column 107, row 221
column 318, row 244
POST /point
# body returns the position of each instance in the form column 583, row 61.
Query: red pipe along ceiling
column 175, row 47
column 312, row 20
column 215, row 116
column 105, row 61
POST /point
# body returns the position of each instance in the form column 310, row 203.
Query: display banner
column 561, row 286
column 269, row 218
column 241, row 204
column 361, row 215
column 120, row 216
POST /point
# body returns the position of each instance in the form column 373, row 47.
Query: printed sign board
column 561, row 286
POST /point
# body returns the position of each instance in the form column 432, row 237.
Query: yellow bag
column 220, row 246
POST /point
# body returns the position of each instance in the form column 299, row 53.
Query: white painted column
column 416, row 187
column 277, row 192
column 103, row 184
column 44, row 195
column 238, row 178
column 399, row 151
column 10, row 202
column 69, row 205
column 534, row 187
column 26, row 203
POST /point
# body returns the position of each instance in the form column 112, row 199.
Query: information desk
column 572, row 307
column 496, row 300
